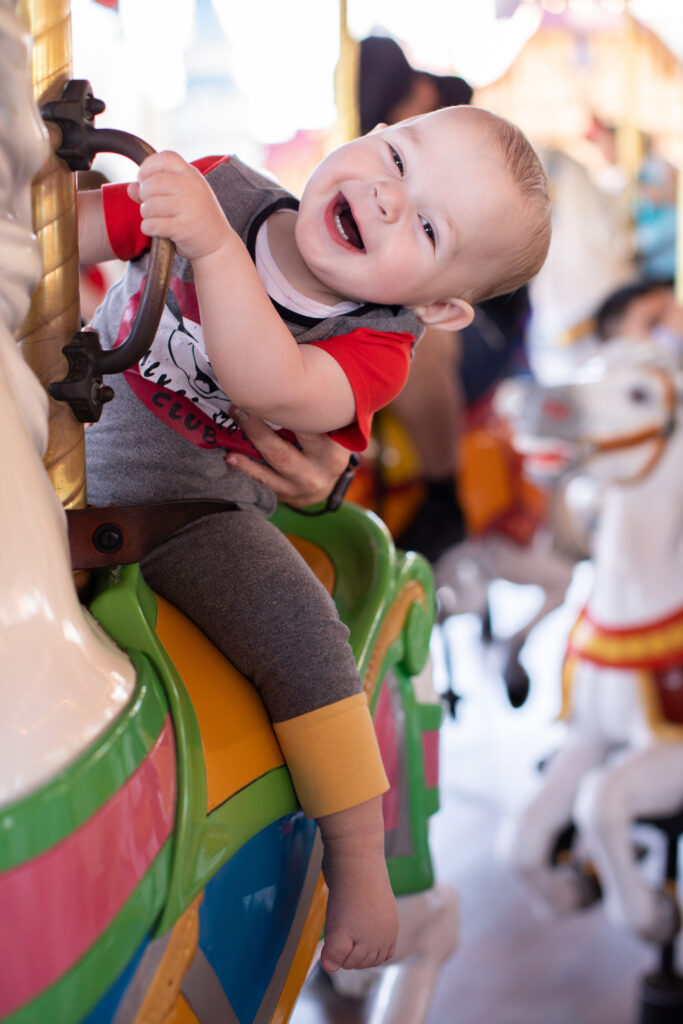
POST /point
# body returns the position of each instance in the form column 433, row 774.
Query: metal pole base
column 661, row 999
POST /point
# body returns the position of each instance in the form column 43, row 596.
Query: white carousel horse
column 62, row 681
column 622, row 755
column 588, row 219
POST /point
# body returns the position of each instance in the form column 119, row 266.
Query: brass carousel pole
column 346, row 83
column 678, row 271
column 54, row 314
column 629, row 139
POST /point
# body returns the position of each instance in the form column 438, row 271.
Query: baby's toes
column 336, row 951
column 369, row 958
column 377, row 957
column 359, row 956
column 362, row 955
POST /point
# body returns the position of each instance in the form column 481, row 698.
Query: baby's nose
column 388, row 198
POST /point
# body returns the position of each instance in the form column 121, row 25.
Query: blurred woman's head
column 390, row 89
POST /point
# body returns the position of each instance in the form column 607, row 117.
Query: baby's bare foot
column 362, row 921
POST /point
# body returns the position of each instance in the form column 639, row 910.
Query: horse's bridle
column 659, row 434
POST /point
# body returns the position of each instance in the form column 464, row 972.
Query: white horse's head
column 614, row 419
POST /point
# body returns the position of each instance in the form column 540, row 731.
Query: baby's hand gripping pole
column 83, row 388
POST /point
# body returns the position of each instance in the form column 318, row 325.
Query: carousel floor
column 513, row 964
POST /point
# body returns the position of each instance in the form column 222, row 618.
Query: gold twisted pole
column 54, row 314
column 346, row 84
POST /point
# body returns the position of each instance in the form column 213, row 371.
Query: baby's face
column 408, row 214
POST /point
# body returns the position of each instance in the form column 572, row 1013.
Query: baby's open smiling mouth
column 342, row 225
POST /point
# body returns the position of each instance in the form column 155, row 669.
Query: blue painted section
column 104, row 1012
column 248, row 908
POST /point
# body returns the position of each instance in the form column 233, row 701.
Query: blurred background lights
column 278, row 50
column 214, row 76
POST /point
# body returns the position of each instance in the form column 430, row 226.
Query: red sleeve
column 122, row 214
column 122, row 221
column 376, row 364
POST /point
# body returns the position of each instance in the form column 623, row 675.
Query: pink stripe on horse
column 53, row 907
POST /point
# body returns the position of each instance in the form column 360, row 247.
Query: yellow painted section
column 304, row 955
column 412, row 593
column 317, row 560
column 237, row 737
column 163, row 993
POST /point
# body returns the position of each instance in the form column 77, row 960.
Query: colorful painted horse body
column 622, row 756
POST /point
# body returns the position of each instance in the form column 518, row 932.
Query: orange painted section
column 317, row 560
column 181, row 1013
column 237, row 737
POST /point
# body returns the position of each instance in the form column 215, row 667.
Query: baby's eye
column 396, row 158
column 428, row 229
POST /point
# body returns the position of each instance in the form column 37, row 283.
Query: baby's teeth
column 340, row 229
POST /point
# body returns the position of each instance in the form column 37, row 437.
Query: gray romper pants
column 233, row 574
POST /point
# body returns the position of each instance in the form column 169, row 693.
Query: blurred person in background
column 643, row 311
column 654, row 215
column 390, row 89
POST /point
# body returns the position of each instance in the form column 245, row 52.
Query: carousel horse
column 621, row 759
column 511, row 526
column 589, row 219
column 154, row 861
column 512, row 529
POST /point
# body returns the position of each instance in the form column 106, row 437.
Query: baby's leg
column 362, row 921
column 238, row 578
column 245, row 586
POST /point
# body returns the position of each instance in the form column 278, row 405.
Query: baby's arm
column 93, row 241
column 254, row 356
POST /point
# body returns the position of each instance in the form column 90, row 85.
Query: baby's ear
column 448, row 314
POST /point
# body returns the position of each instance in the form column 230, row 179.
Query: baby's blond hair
column 522, row 161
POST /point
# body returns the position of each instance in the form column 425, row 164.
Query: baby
column 304, row 314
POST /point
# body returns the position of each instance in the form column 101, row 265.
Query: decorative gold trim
column 411, row 594
column 158, row 1006
column 667, row 732
column 643, row 647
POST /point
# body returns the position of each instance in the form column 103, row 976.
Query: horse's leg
column 554, row 586
column 536, row 563
column 527, row 837
column 461, row 580
column 645, row 782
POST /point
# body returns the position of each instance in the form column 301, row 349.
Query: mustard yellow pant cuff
column 333, row 756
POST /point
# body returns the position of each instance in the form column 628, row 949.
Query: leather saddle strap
column 120, row 534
